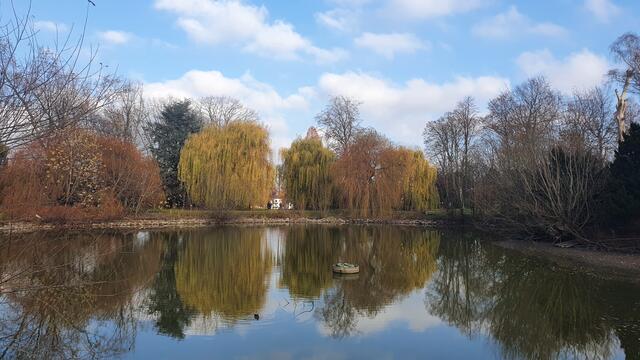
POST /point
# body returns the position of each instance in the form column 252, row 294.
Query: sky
column 406, row 61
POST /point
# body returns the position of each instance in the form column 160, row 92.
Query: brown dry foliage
column 133, row 177
column 371, row 175
column 78, row 176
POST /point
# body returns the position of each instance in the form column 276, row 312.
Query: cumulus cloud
column 512, row 23
column 231, row 21
column 114, row 37
column 579, row 71
column 603, row 10
column 425, row 9
column 388, row 45
column 401, row 110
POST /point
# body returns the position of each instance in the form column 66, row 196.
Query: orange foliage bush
column 133, row 177
column 78, row 176
column 370, row 175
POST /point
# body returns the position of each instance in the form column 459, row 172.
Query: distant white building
column 276, row 204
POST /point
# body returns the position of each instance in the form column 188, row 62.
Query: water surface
column 269, row 293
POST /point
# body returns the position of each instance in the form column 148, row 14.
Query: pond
column 269, row 293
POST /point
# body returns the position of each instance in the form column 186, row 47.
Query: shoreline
column 25, row 227
column 599, row 263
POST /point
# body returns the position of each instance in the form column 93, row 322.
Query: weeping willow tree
column 307, row 173
column 420, row 191
column 228, row 167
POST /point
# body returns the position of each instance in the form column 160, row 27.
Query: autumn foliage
column 228, row 167
column 375, row 177
column 133, row 177
column 78, row 177
column 307, row 172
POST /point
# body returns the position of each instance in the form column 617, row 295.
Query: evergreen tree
column 168, row 135
column 622, row 200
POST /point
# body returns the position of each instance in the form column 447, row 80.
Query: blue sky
column 407, row 61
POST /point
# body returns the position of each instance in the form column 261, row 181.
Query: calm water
column 268, row 293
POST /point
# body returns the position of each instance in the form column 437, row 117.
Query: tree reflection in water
column 83, row 296
column 393, row 262
column 71, row 298
column 164, row 302
column 223, row 273
column 531, row 309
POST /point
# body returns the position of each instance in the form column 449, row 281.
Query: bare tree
column 45, row 88
column 589, row 123
column 221, row 110
column 340, row 122
column 124, row 117
column 536, row 183
column 451, row 140
column 626, row 50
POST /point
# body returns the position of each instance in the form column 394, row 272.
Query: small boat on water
column 346, row 268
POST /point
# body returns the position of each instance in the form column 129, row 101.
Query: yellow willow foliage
column 228, row 167
column 420, row 191
column 307, row 174
column 224, row 273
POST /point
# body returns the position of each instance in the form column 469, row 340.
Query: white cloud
column 345, row 17
column 231, row 21
column 114, row 37
column 402, row 110
column 578, row 71
column 603, row 10
column 512, row 23
column 388, row 45
column 339, row 19
column 50, row 26
column 424, row 9
column 253, row 93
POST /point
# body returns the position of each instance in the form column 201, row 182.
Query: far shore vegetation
column 78, row 143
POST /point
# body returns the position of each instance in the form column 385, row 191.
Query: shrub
column 133, row 178
column 78, row 177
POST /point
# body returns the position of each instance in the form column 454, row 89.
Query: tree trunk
column 621, row 106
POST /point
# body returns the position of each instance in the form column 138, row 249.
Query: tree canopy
column 177, row 121
column 375, row 177
column 419, row 188
column 307, row 173
column 228, row 167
